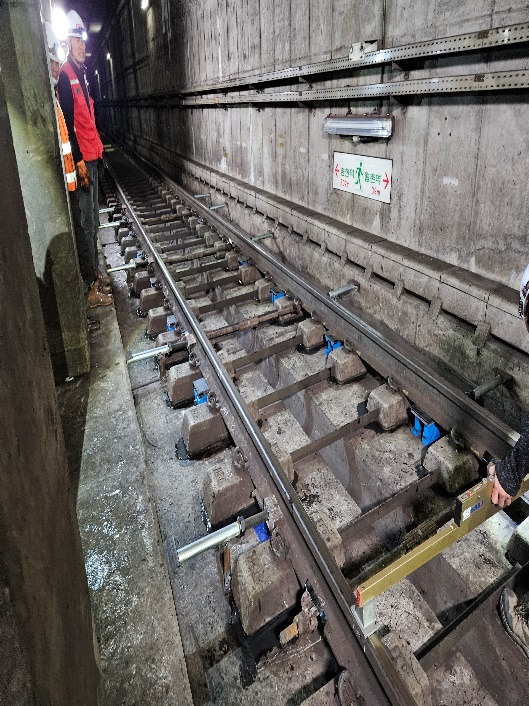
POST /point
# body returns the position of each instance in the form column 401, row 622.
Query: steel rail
column 386, row 351
column 381, row 681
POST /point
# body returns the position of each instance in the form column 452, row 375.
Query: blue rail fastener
column 200, row 391
column 276, row 293
column 262, row 532
column 331, row 344
column 430, row 434
column 171, row 323
column 424, row 427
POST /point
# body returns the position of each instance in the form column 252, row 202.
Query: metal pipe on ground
column 131, row 265
column 221, row 536
column 160, row 350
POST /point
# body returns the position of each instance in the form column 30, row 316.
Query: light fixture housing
column 360, row 125
column 59, row 23
column 144, row 4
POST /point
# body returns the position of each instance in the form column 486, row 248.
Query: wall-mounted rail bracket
column 500, row 378
column 337, row 293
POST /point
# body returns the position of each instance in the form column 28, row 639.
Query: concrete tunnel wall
column 458, row 161
column 32, row 115
column 47, row 648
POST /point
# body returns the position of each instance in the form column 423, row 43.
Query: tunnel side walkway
column 135, row 620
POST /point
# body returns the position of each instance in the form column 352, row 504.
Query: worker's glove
column 83, row 175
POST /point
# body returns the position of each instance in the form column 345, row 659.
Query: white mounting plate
column 359, row 50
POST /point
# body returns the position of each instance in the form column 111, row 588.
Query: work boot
column 98, row 298
column 514, row 619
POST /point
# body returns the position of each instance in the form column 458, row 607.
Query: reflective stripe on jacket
column 84, row 119
column 66, row 149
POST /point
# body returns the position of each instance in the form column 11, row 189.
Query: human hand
column 499, row 496
column 84, row 176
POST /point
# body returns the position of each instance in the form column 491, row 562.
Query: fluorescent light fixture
column 144, row 4
column 108, row 55
column 59, row 23
column 359, row 125
column 97, row 72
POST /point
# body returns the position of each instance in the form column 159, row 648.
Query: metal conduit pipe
column 501, row 378
column 161, row 350
column 132, row 265
column 221, row 536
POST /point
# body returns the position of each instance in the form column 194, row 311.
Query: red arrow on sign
column 336, row 170
column 386, row 181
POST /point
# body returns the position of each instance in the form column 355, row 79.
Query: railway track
column 348, row 452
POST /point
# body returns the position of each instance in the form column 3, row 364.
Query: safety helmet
column 523, row 306
column 51, row 42
column 76, row 26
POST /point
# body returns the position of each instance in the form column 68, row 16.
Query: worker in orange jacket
column 89, row 273
column 87, row 148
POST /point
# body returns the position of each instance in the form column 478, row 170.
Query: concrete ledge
column 134, row 614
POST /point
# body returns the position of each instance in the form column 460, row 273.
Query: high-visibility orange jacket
column 66, row 149
column 84, row 119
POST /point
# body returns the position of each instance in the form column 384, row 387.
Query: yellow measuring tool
column 472, row 508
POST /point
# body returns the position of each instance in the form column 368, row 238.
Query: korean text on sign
column 364, row 176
